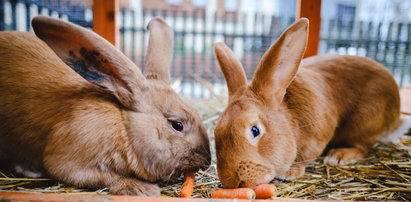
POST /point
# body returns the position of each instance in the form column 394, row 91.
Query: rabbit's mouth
column 199, row 159
column 179, row 173
column 190, row 164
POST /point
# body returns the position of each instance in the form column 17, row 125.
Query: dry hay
column 384, row 175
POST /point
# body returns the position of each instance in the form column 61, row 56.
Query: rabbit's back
column 38, row 93
column 347, row 69
column 25, row 57
column 353, row 80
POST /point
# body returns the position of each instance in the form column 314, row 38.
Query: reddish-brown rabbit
column 292, row 110
column 74, row 107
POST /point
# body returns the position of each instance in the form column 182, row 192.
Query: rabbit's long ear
column 231, row 67
column 160, row 50
column 93, row 58
column 280, row 63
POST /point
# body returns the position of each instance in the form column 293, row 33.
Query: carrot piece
column 265, row 191
column 240, row 193
column 188, row 185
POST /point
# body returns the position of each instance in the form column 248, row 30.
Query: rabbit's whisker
column 305, row 161
column 312, row 123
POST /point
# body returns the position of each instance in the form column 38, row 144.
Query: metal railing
column 386, row 42
column 17, row 14
column 250, row 35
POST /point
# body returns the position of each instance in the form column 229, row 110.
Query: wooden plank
column 311, row 9
column 16, row 196
column 105, row 14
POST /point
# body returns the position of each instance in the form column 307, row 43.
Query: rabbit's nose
column 236, row 183
column 230, row 181
column 246, row 183
column 204, row 159
column 242, row 184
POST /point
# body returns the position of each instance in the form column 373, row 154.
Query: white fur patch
column 397, row 133
column 104, row 168
column 26, row 172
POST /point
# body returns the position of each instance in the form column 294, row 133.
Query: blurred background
column 379, row 29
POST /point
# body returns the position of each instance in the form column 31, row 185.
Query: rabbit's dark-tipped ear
column 93, row 58
column 280, row 63
column 231, row 67
column 160, row 50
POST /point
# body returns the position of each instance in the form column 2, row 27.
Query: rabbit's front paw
column 343, row 156
column 130, row 186
column 297, row 170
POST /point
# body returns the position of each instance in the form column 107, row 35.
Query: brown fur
column 345, row 102
column 114, row 131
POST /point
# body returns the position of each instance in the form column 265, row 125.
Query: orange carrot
column 188, row 185
column 240, row 193
column 265, row 191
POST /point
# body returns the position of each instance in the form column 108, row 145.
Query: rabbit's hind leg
column 356, row 134
column 94, row 177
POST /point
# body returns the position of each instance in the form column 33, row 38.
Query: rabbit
column 73, row 107
column 293, row 110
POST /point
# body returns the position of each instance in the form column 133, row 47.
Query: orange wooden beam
column 311, row 9
column 105, row 14
column 16, row 196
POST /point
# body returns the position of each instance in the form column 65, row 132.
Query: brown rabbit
column 74, row 107
column 292, row 110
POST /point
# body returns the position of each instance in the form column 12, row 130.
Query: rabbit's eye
column 255, row 131
column 177, row 125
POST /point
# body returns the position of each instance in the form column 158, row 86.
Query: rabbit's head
column 254, row 137
column 165, row 134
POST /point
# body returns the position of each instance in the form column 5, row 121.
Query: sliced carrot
column 240, row 193
column 188, row 185
column 265, row 191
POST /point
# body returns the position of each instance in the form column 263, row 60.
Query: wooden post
column 311, row 9
column 105, row 14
